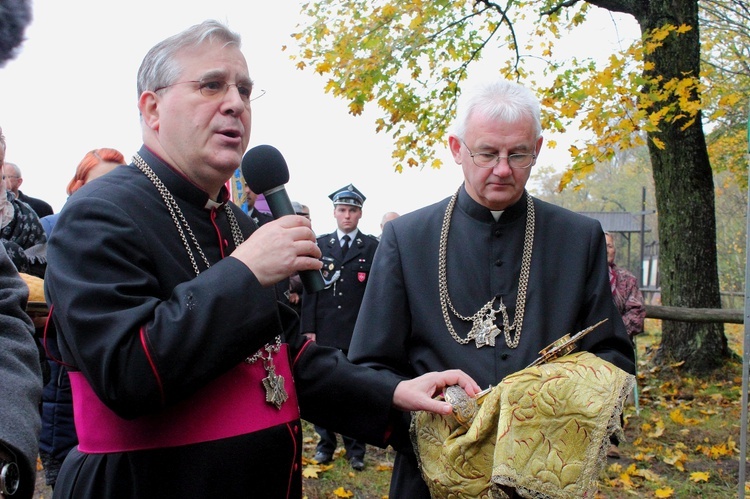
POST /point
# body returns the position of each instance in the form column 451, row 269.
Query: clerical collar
column 481, row 213
column 211, row 204
column 497, row 214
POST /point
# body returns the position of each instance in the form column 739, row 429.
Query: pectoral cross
column 274, row 385
column 488, row 331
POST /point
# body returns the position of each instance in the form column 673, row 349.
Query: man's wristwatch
column 10, row 476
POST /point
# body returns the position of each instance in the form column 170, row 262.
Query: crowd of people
column 182, row 347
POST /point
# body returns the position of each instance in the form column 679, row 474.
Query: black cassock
column 145, row 338
column 401, row 328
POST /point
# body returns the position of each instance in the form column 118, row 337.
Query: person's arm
column 141, row 327
column 635, row 309
column 362, row 402
column 307, row 314
column 21, row 386
column 418, row 394
column 382, row 332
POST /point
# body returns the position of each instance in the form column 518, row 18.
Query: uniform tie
column 345, row 244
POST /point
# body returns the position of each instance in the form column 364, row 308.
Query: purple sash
column 231, row 405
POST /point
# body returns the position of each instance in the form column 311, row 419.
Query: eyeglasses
column 10, row 176
column 488, row 160
column 219, row 88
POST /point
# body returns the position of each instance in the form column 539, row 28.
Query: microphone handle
column 280, row 205
column 279, row 202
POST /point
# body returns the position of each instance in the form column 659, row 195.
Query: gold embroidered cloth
column 543, row 431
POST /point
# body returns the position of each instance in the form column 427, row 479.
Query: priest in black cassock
column 486, row 278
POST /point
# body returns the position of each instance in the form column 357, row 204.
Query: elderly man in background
column 13, row 180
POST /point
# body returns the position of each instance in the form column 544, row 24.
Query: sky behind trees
column 73, row 88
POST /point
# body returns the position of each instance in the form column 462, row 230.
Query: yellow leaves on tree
column 410, row 59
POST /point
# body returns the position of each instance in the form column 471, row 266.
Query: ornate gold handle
column 563, row 346
column 464, row 407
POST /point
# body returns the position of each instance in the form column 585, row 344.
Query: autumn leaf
column 657, row 142
column 665, row 492
column 626, row 481
column 648, row 475
column 699, row 476
column 311, row 471
column 658, row 431
column 677, row 416
column 340, row 492
column 677, row 460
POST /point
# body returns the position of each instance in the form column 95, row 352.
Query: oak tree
column 411, row 58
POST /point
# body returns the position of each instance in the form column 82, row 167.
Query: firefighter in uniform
column 329, row 316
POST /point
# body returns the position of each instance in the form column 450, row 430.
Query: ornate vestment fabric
column 543, row 431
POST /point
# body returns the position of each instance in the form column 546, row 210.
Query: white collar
column 352, row 235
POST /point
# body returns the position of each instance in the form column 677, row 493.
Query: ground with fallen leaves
column 683, row 439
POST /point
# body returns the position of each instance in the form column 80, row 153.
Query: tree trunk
column 684, row 194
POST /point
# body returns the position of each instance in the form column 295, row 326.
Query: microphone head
column 264, row 168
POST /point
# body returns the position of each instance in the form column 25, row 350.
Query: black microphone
column 265, row 171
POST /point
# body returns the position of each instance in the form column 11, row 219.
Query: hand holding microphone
column 266, row 172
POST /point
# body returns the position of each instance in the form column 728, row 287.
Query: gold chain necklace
column 483, row 330
column 273, row 383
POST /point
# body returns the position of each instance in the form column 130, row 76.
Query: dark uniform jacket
column 147, row 336
column 401, row 329
column 260, row 218
column 332, row 312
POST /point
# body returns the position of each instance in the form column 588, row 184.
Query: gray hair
column 160, row 66
column 501, row 100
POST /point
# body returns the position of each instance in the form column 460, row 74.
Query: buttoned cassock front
column 332, row 312
column 401, row 329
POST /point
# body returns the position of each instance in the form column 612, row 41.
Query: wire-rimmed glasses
column 490, row 160
column 212, row 88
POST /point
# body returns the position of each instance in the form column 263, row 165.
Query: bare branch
column 558, row 7
column 506, row 20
